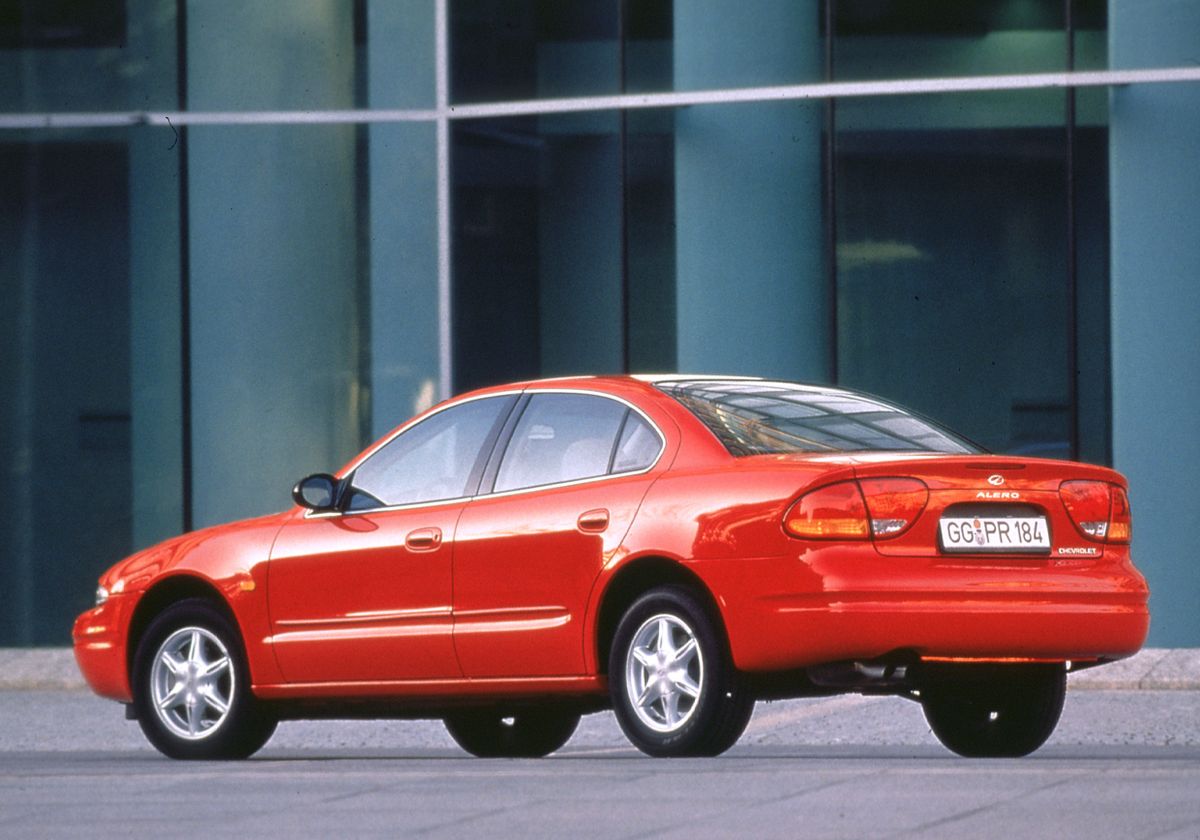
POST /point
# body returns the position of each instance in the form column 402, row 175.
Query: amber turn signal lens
column 833, row 512
column 1120, row 522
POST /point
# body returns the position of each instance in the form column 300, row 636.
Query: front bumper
column 99, row 639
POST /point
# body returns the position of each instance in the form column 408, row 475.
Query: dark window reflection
column 944, row 17
column 952, row 278
column 514, row 49
column 62, row 23
column 564, row 247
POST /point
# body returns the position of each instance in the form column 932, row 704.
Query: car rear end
column 967, row 558
column 895, row 538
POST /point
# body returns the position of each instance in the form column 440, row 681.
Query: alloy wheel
column 664, row 673
column 192, row 683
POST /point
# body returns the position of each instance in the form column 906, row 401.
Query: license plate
column 994, row 533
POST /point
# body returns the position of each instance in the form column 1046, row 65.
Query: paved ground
column 1122, row 764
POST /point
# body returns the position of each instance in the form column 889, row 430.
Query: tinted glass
column 639, row 445
column 561, row 437
column 433, row 460
column 756, row 418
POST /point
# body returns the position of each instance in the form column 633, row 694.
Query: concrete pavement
column 1122, row 764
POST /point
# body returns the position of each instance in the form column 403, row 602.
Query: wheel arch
column 636, row 577
column 161, row 595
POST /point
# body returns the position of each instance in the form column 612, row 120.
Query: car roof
column 643, row 382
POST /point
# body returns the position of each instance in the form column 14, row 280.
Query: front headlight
column 101, row 595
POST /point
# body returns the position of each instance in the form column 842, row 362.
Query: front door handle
column 424, row 539
column 594, row 521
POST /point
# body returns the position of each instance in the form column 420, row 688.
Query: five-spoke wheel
column 191, row 686
column 674, row 688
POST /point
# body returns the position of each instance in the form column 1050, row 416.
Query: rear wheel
column 529, row 733
column 191, row 686
column 674, row 688
column 1001, row 711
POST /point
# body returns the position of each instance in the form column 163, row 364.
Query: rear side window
column 567, row 437
column 638, row 447
column 759, row 417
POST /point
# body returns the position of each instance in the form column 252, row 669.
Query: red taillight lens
column 1120, row 521
column 858, row 510
column 893, row 503
column 1100, row 511
column 833, row 512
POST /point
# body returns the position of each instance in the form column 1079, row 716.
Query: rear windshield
column 761, row 418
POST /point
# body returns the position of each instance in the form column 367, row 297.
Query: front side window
column 561, row 437
column 436, row 459
column 757, row 418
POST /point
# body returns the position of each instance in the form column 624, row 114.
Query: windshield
column 753, row 417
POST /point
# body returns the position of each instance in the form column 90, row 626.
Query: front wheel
column 674, row 688
column 529, row 733
column 191, row 689
column 1001, row 711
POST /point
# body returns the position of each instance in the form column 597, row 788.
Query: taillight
column 857, row 510
column 833, row 512
column 1099, row 510
column 893, row 503
column 1120, row 521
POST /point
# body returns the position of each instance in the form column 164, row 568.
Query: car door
column 364, row 593
column 564, row 493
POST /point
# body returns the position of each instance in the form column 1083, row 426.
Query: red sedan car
column 674, row 548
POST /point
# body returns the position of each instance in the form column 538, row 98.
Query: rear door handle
column 594, row 521
column 424, row 539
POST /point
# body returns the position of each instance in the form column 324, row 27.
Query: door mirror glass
column 317, row 492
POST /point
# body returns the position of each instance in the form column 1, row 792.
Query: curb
column 1152, row 669
column 30, row 669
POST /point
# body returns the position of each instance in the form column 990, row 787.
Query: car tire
column 1001, row 711
column 527, row 733
column 191, row 686
column 674, row 688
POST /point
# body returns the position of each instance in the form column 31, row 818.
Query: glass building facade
column 239, row 242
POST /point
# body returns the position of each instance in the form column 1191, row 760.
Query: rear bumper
column 783, row 613
column 98, row 637
column 945, row 628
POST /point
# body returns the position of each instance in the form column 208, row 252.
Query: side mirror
column 317, row 492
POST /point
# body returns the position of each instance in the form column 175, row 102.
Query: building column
column 273, row 248
column 752, row 290
column 155, row 169
column 1155, row 181
column 404, row 214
